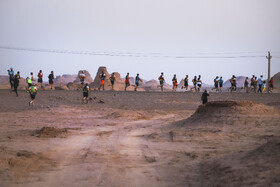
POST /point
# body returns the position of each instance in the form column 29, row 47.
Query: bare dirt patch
column 52, row 132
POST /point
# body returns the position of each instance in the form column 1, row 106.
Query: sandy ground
column 139, row 139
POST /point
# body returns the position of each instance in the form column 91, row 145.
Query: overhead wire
column 230, row 55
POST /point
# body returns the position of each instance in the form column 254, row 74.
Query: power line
column 140, row 55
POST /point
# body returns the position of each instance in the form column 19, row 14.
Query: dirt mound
column 73, row 86
column 136, row 115
column 276, row 79
column 21, row 164
column 51, row 132
column 61, row 87
column 229, row 111
column 258, row 167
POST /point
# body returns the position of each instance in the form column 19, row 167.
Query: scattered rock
column 150, row 159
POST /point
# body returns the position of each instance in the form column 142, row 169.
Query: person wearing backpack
column 221, row 83
column 51, row 78
column 216, row 83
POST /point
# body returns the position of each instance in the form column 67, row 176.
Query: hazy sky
column 146, row 32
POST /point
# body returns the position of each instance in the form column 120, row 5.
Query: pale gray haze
column 141, row 36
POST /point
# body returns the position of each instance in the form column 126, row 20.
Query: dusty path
column 109, row 156
column 135, row 139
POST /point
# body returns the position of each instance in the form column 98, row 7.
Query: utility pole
column 268, row 79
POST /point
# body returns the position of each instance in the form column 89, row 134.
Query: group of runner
column 258, row 84
column 32, row 89
column 197, row 83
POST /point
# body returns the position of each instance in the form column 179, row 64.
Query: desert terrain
column 139, row 139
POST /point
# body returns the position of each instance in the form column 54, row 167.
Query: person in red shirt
column 127, row 84
column 271, row 85
column 40, row 78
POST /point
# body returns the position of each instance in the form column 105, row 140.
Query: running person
column 11, row 77
column 102, row 77
column 82, row 77
column 271, row 85
column 264, row 86
column 51, row 78
column 252, row 82
column 216, row 83
column 260, row 83
column 112, row 79
column 85, row 93
column 161, row 81
column 221, row 83
column 29, row 82
column 233, row 83
column 40, row 78
column 137, row 81
column 32, row 91
column 175, row 83
column 186, row 82
column 31, row 77
column 127, row 84
column 194, row 83
column 255, row 84
column 16, row 82
column 199, row 83
column 246, row 85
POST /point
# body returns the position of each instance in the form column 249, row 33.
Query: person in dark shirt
column 16, row 83
column 204, row 97
column 51, row 78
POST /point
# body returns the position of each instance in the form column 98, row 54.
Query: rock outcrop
column 64, row 79
column 88, row 78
